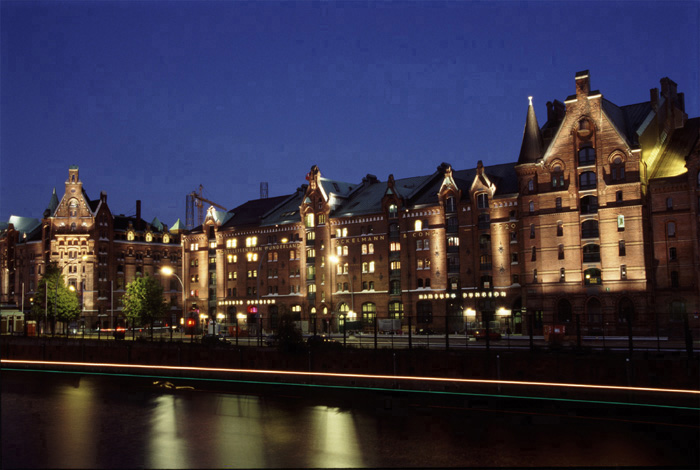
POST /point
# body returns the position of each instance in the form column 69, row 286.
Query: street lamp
column 168, row 271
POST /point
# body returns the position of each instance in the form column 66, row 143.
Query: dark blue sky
column 152, row 98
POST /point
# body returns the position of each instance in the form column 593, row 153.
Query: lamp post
column 168, row 271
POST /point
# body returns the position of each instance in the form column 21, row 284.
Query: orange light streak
column 358, row 376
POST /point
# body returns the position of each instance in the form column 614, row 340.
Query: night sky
column 153, row 98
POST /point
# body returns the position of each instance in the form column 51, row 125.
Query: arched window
column 617, row 169
column 587, row 180
column 591, row 253
column 531, row 207
column 669, row 203
column 625, row 311
column 592, row 277
column 482, row 201
column 589, row 205
column 560, row 228
column 393, row 211
column 564, row 311
column 419, row 283
column 589, row 229
column 73, row 208
column 424, row 312
column 450, row 205
column 418, row 225
column 531, row 186
column 671, row 229
column 594, row 311
column 586, row 156
column 557, row 177
column 309, row 219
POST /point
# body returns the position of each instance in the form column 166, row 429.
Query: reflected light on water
column 335, row 439
column 75, row 420
column 238, row 435
column 166, row 442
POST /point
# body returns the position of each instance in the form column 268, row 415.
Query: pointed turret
column 53, row 203
column 531, row 149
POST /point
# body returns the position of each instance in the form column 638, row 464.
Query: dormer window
column 557, row 177
column 617, row 169
column 450, row 205
column 482, row 201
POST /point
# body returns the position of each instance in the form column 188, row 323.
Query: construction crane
column 195, row 198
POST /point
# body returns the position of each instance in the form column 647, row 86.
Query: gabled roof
column 53, row 202
column 672, row 161
column 286, row 212
column 627, row 119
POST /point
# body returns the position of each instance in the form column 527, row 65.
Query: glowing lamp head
column 167, row 270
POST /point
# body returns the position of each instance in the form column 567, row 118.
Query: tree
column 53, row 300
column 143, row 301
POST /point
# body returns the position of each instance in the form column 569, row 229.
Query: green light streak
column 375, row 389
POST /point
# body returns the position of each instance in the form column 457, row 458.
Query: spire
column 53, row 203
column 531, row 149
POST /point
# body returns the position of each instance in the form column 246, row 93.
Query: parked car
column 424, row 331
column 214, row 340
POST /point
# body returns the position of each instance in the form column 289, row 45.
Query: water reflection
column 63, row 421
column 334, row 439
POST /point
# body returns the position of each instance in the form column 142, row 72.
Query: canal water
column 58, row 420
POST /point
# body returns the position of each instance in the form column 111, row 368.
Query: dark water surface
column 54, row 420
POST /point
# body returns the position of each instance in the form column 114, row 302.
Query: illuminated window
column 345, row 268
column 396, row 307
column 321, row 219
column 251, row 241
column 252, row 256
column 364, row 248
column 562, row 275
column 345, row 250
column 592, row 276
column 394, row 246
column 452, row 241
column 231, row 243
column 309, row 219
column 418, row 225
column 292, row 254
column 310, row 253
column 623, row 271
column 130, row 235
column 232, row 258
column 393, row 211
column 365, row 266
column 395, row 266
column 212, row 244
column 620, row 223
column 311, row 235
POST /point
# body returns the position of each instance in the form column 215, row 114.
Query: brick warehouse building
column 98, row 252
column 586, row 228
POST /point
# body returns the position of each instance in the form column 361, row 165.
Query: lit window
column 620, row 223
column 345, row 250
column 393, row 211
column 309, row 219
column 364, row 248
column 418, row 225
column 231, row 243
column 321, row 219
column 212, row 245
column 370, row 248
column 394, row 246
column 395, row 266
